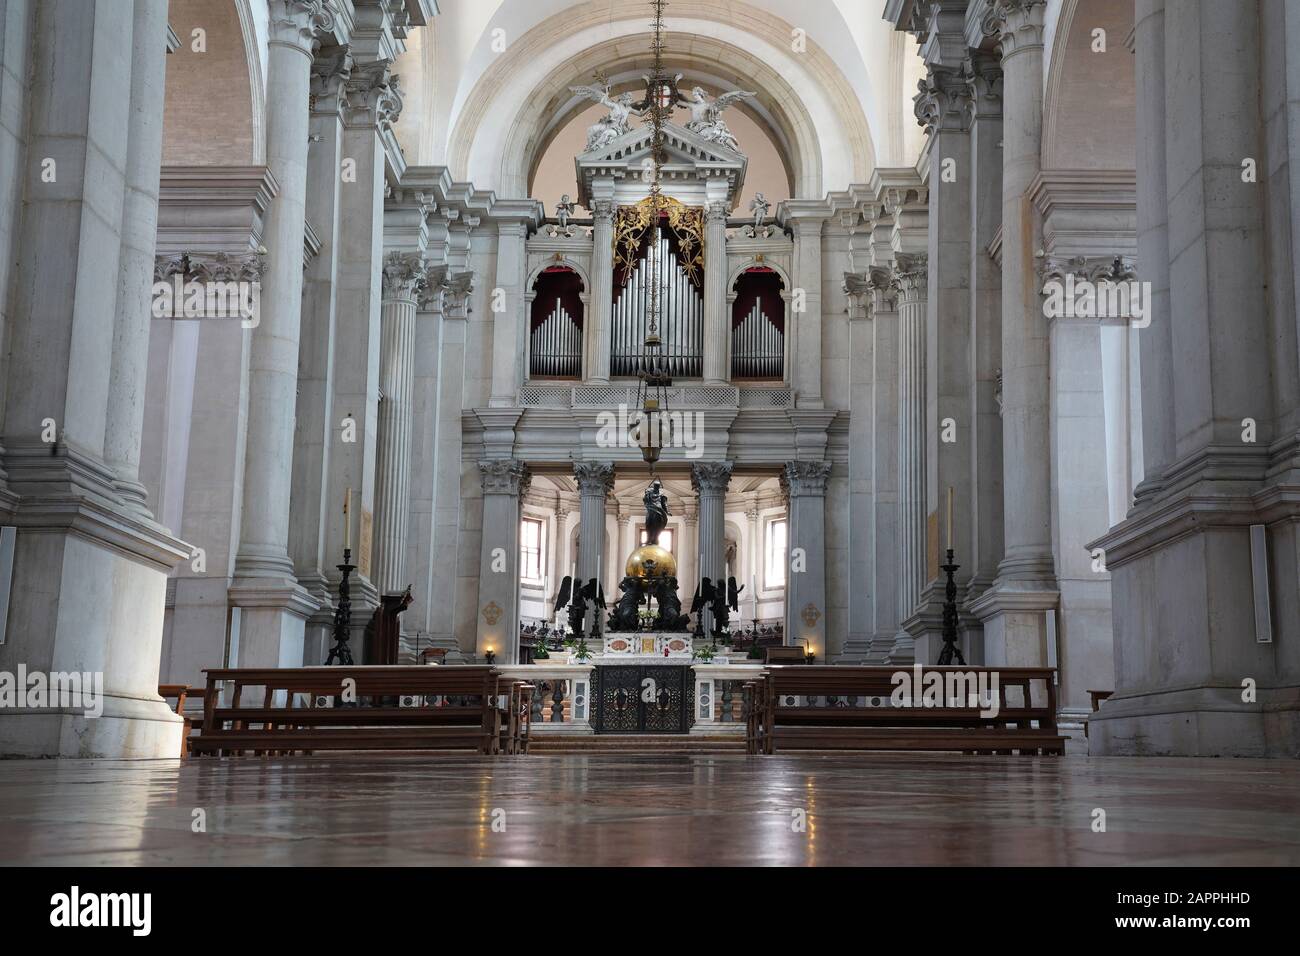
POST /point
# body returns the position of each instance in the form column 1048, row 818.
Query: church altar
column 634, row 647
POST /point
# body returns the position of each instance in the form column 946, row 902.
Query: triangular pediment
column 691, row 162
column 683, row 148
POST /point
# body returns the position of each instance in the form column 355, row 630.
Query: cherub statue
column 611, row 127
column 706, row 115
column 759, row 207
column 563, row 210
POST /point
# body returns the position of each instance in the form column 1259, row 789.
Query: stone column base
column 273, row 615
column 1198, row 722
column 128, row 729
column 1014, row 615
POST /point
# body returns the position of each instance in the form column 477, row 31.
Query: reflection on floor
column 882, row 809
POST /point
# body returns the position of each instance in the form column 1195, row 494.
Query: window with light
column 774, row 574
column 532, row 535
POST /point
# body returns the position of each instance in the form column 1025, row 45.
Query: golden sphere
column 651, row 561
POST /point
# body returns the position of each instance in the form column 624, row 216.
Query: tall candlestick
column 950, row 517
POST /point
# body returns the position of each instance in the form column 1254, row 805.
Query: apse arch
column 811, row 104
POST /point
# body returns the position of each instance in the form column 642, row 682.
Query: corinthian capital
column 504, row 477
column 297, row 23
column 329, row 71
column 982, row 75
column 711, row 477
column 911, row 272
column 942, row 100
column 429, row 292
column 806, row 478
column 603, row 209
column 1017, row 25
column 374, row 96
column 594, row 477
column 403, row 274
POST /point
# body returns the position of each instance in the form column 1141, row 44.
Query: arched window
column 555, row 329
column 758, row 326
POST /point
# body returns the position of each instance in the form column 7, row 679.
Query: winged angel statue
column 611, row 127
column 706, row 115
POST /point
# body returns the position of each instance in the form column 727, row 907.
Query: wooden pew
column 180, row 693
column 458, row 707
column 781, row 718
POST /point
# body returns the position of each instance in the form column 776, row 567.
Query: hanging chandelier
column 650, row 425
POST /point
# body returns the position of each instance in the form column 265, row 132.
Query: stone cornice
column 213, row 208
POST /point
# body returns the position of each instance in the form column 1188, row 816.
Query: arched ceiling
column 500, row 72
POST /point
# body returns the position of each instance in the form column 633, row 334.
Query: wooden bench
column 300, row 709
column 858, row 714
column 180, row 693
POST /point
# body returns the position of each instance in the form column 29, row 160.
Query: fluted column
column 602, row 290
column 983, row 74
column 911, row 277
column 717, row 337
column 403, row 273
column 710, row 480
column 884, row 452
column 135, row 272
column 805, row 591
column 595, row 482
column 1013, row 608
column 505, row 482
column 315, row 431
column 273, row 605
column 861, row 551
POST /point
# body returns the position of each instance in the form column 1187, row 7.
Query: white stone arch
column 751, row 263
column 786, row 287
column 501, row 123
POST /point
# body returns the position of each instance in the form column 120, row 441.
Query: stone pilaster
column 805, row 350
column 509, row 321
column 602, row 290
column 316, row 432
column 882, row 308
column 1203, row 621
column 805, row 591
column 710, row 480
column 861, row 538
column 505, row 482
column 1014, row 608
column 983, row 75
column 126, row 391
column 717, row 335
column 943, row 107
column 403, row 273
column 911, row 278
column 76, row 537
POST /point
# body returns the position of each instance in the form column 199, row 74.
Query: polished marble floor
column 881, row 809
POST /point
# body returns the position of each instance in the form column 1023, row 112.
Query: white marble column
column 595, row 482
column 89, row 574
column 717, row 324
column 273, row 606
column 806, row 220
column 861, row 553
column 1014, row 608
column 883, row 309
column 602, row 290
column 943, row 108
column 805, row 592
column 315, row 434
column 449, row 464
column 911, row 277
column 505, row 482
column 403, row 273
column 126, row 390
column 983, row 75
column 688, row 575
column 710, row 480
